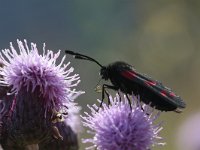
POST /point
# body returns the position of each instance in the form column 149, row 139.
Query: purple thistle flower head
column 118, row 127
column 40, row 92
column 188, row 137
column 32, row 71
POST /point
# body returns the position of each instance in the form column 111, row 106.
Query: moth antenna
column 69, row 52
column 81, row 56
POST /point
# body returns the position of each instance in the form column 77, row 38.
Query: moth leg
column 104, row 87
column 120, row 99
column 129, row 101
column 107, row 97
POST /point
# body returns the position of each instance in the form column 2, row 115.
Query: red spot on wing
column 128, row 74
column 163, row 93
column 172, row 94
column 152, row 83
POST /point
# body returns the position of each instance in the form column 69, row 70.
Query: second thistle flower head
column 117, row 127
column 27, row 70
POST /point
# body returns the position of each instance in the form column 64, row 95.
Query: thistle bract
column 120, row 127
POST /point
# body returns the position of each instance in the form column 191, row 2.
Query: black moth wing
column 155, row 93
column 151, row 91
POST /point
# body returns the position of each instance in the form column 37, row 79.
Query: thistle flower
column 29, row 70
column 41, row 89
column 188, row 137
column 73, row 119
column 118, row 127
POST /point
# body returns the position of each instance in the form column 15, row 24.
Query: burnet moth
column 126, row 79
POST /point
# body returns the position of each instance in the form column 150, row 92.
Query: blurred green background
column 159, row 38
